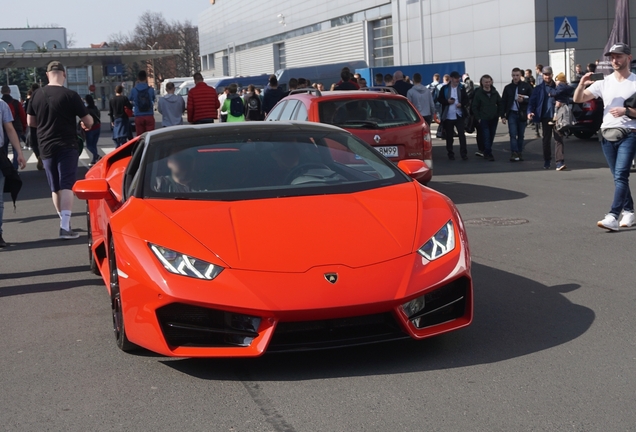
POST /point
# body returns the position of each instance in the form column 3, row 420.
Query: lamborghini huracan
column 231, row 240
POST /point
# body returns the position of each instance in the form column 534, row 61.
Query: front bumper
column 245, row 313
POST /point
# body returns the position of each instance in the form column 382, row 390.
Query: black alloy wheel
column 583, row 134
column 116, row 305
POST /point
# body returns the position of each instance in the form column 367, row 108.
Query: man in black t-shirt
column 53, row 111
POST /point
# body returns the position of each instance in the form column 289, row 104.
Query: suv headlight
column 440, row 244
column 182, row 264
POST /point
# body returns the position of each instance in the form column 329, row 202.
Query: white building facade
column 244, row 37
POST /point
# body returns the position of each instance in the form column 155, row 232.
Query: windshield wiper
column 361, row 122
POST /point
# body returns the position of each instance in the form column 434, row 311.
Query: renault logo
column 377, row 139
column 332, row 278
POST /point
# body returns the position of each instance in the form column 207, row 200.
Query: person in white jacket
column 171, row 107
column 422, row 99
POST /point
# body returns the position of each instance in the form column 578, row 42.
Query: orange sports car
column 232, row 240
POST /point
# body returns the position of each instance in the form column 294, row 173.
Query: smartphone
column 597, row 77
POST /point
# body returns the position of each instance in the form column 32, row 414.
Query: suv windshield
column 258, row 164
column 367, row 113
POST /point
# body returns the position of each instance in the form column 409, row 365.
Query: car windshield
column 367, row 113
column 255, row 164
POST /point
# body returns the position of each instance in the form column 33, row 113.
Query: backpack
column 254, row 107
column 237, row 109
column 564, row 119
column 144, row 104
column 17, row 122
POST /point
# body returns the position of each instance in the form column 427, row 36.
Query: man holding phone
column 515, row 98
column 541, row 108
column 452, row 98
column 618, row 130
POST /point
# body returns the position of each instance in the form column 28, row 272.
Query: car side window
column 275, row 113
column 301, row 112
column 289, row 109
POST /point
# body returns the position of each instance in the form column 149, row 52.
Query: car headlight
column 182, row 264
column 440, row 244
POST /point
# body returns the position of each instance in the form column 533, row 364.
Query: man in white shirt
column 618, row 130
column 452, row 98
column 222, row 97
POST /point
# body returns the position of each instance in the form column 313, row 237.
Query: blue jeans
column 1, row 200
column 517, row 128
column 488, row 130
column 620, row 155
column 91, row 142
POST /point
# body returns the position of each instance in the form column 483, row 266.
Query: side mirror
column 92, row 189
column 414, row 168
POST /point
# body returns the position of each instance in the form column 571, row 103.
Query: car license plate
column 388, row 151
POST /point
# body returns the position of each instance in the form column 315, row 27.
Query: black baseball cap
column 55, row 66
column 619, row 48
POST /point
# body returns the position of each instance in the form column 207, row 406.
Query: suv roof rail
column 308, row 90
column 380, row 89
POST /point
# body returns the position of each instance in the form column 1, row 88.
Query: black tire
column 92, row 262
column 583, row 134
column 115, row 300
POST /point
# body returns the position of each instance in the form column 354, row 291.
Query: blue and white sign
column 566, row 29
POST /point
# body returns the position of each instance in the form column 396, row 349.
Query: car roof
column 346, row 94
column 186, row 131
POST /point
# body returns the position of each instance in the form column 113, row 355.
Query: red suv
column 380, row 117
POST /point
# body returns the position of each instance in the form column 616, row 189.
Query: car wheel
column 92, row 262
column 583, row 134
column 116, row 304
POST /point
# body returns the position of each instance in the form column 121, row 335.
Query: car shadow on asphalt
column 579, row 154
column 44, row 272
column 466, row 193
column 51, row 242
column 48, row 286
column 514, row 316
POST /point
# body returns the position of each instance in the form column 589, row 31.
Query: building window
column 383, row 42
column 82, row 89
column 77, row 75
column 280, row 58
column 210, row 61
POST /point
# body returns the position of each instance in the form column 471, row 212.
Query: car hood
column 297, row 233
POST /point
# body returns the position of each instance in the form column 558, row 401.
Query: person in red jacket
column 203, row 102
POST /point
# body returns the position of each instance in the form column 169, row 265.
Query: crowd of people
column 47, row 124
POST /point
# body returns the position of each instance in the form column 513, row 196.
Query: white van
column 176, row 81
column 15, row 92
column 185, row 87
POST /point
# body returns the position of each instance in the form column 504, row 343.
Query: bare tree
column 152, row 30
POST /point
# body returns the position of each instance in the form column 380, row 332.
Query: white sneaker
column 609, row 222
column 627, row 220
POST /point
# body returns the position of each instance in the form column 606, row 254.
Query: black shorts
column 61, row 169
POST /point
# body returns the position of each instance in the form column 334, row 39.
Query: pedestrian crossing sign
column 566, row 29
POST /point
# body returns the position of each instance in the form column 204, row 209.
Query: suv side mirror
column 414, row 168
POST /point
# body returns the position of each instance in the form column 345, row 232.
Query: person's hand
column 84, row 126
column 21, row 161
column 558, row 104
column 112, row 124
column 503, row 120
column 458, row 105
column 519, row 98
column 530, row 116
column 585, row 79
column 618, row 111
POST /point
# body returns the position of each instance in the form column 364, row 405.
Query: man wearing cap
column 618, row 130
column 53, row 111
column 6, row 118
column 541, row 111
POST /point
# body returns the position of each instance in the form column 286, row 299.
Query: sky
column 94, row 25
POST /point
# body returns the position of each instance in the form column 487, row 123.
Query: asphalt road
column 552, row 346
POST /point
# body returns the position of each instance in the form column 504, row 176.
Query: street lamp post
column 152, row 60
column 7, row 69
